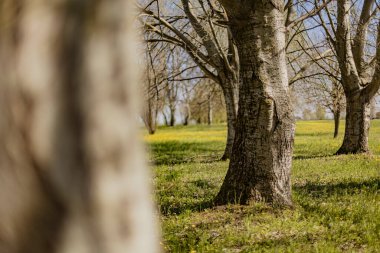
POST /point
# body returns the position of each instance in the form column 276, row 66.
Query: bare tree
column 327, row 91
column 358, row 55
column 155, row 75
column 207, row 104
column 72, row 175
column 199, row 27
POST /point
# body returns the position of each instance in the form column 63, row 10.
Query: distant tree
column 308, row 114
column 373, row 108
column 155, row 75
column 320, row 112
column 358, row 54
column 72, row 172
column 207, row 105
column 199, row 28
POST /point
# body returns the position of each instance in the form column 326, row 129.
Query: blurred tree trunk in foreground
column 72, row 176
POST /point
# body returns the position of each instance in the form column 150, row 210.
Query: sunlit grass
column 337, row 200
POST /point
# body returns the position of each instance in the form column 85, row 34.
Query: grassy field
column 337, row 201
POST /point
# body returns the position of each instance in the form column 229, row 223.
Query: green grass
column 337, row 200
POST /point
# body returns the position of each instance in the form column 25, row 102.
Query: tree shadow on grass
column 311, row 156
column 193, row 207
column 282, row 241
column 315, row 134
column 316, row 190
column 193, row 204
column 176, row 152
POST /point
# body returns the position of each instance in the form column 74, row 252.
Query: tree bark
column 357, row 126
column 336, row 123
column 261, row 157
column 72, row 176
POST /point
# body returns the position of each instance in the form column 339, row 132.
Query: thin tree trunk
column 336, row 123
column 209, row 111
column 231, row 100
column 172, row 116
column 72, row 176
column 187, row 115
column 262, row 152
column 150, row 116
column 373, row 108
column 166, row 120
column 358, row 120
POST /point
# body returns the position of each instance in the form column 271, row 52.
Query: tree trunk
column 231, row 100
column 373, row 108
column 166, row 120
column 72, row 176
column 187, row 114
column 150, row 115
column 209, row 111
column 262, row 152
column 336, row 123
column 358, row 119
column 172, row 116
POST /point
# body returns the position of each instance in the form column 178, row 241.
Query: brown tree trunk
column 172, row 116
column 72, row 176
column 231, row 101
column 358, row 120
column 336, row 123
column 262, row 152
column 150, row 115
column 187, row 114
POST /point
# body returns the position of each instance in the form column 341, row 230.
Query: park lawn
column 337, row 200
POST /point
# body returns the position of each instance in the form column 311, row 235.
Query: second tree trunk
column 262, row 152
column 357, row 126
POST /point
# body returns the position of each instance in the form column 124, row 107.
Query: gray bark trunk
column 262, row 152
column 357, row 126
column 72, row 176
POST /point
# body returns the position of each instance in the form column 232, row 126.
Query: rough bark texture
column 72, row 176
column 262, row 152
